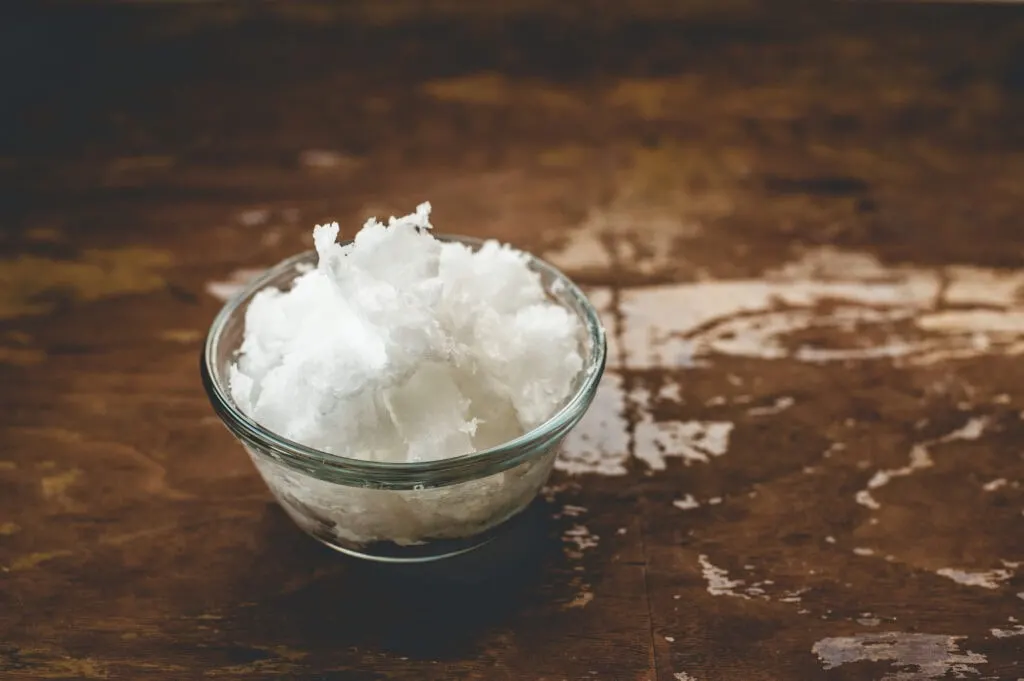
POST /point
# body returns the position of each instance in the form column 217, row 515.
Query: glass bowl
column 402, row 512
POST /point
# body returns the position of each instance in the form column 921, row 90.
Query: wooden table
column 802, row 224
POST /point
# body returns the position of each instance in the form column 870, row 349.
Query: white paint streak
column 828, row 263
column 254, row 217
column 980, row 321
column 677, row 325
column 692, row 441
column 864, row 498
column 686, row 503
column 780, row 405
column 979, row 286
column 600, row 442
column 581, row 600
column 920, row 458
column 993, row 485
column 683, row 676
column 990, row 579
column 718, row 580
column 1008, row 633
column 972, row 430
column 912, row 656
column 573, row 511
column 752, row 318
column 851, row 295
column 861, row 551
column 670, row 392
column 581, row 537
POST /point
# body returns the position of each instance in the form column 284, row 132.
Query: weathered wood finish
column 145, row 153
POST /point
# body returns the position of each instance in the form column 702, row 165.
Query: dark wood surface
column 803, row 224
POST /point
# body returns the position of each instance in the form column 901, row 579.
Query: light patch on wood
column 9, row 528
column 581, row 600
column 983, row 322
column 571, row 511
column 183, row 336
column 580, row 537
column 53, row 665
column 495, row 89
column 652, row 98
column 327, row 160
column 912, row 656
column 599, row 444
column 8, row 466
column 969, row 286
column 670, row 391
column 576, row 540
column 993, row 485
column 1017, row 630
column 780, row 405
column 663, row 198
column 55, row 487
column 44, row 234
column 28, row 284
column 920, row 458
column 864, row 498
column 989, row 579
column 32, row 560
column 687, row 503
column 253, row 217
column 718, row 582
column 584, row 250
column 668, row 326
column 794, row 596
column 691, row 441
column 645, row 238
column 226, row 289
column 846, row 295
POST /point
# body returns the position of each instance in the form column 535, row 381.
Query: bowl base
column 386, row 552
column 516, row 535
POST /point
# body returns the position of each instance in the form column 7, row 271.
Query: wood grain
column 669, row 158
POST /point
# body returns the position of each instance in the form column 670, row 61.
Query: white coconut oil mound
column 399, row 347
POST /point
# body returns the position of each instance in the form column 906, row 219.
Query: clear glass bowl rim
column 404, row 475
